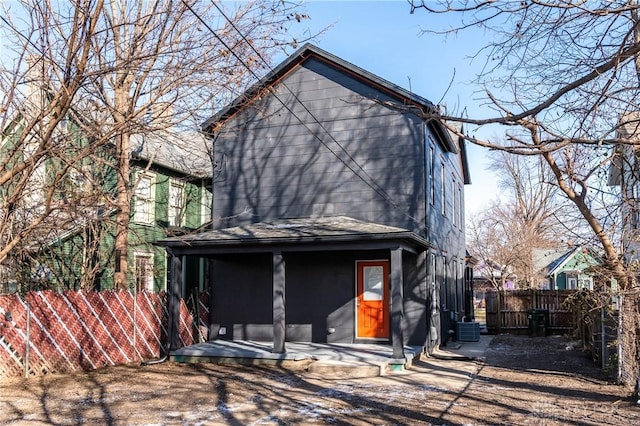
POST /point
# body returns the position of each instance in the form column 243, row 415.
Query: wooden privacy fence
column 507, row 311
column 50, row 332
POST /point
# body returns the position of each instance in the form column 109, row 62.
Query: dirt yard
column 540, row 381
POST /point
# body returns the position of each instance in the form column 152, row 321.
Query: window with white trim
column 144, row 199
column 176, row 203
column 144, row 271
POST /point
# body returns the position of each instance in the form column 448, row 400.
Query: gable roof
column 308, row 51
column 561, row 263
column 546, row 259
column 182, row 151
column 549, row 262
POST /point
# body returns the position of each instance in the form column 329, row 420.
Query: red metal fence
column 49, row 332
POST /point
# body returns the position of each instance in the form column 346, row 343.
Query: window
column 443, row 192
column 144, row 271
column 205, row 210
column 144, row 199
column 176, row 203
column 586, row 283
column 454, row 197
column 460, row 206
column 432, row 174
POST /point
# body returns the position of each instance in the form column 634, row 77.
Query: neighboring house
column 565, row 269
column 338, row 212
column 171, row 179
column 65, row 196
column 489, row 274
column 171, row 175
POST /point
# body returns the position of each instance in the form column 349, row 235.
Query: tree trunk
column 123, row 204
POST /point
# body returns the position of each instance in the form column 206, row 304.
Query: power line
column 370, row 182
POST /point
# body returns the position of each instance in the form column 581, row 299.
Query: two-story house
column 57, row 199
column 338, row 212
column 171, row 178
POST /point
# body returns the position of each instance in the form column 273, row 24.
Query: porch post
column 174, row 300
column 278, row 303
column 423, row 297
column 397, row 308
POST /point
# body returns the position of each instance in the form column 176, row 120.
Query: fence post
column 499, row 310
column 28, row 339
column 602, row 338
column 135, row 321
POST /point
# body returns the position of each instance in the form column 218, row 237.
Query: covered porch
column 301, row 274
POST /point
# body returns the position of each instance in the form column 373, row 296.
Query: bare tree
column 42, row 71
column 99, row 73
column 564, row 77
column 162, row 66
column 489, row 239
column 530, row 206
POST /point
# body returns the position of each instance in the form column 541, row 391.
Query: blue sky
column 384, row 38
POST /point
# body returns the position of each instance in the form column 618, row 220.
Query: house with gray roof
column 565, row 268
column 171, row 187
column 338, row 213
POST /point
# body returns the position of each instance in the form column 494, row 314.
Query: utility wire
column 381, row 191
column 371, row 183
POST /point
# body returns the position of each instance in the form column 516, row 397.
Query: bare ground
column 540, row 381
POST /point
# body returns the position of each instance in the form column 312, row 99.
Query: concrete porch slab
column 317, row 358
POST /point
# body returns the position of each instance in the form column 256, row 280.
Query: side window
column 460, row 206
column 144, row 197
column 432, row 173
column 176, row 203
column 144, row 271
column 454, row 199
column 205, row 210
column 443, row 189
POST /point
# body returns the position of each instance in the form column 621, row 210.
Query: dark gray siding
column 338, row 147
column 447, row 233
column 321, row 294
column 415, row 299
column 320, row 297
column 242, row 297
column 360, row 158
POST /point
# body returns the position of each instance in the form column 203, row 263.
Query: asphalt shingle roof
column 298, row 230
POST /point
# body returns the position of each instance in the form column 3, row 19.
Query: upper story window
column 176, row 203
column 460, row 206
column 454, row 199
column 432, row 173
column 205, row 210
column 144, row 211
column 443, row 189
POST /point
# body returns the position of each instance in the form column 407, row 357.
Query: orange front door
column 372, row 288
